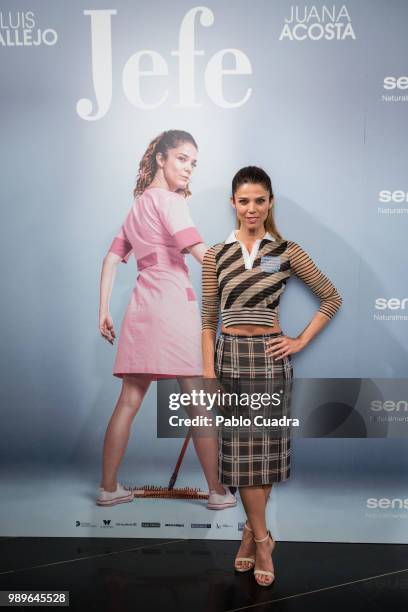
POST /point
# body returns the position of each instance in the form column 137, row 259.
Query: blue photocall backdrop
column 314, row 93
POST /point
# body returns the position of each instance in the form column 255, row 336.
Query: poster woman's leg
column 206, row 446
column 134, row 388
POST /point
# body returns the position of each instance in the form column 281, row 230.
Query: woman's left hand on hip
column 283, row 346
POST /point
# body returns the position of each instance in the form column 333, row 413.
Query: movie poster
column 94, row 99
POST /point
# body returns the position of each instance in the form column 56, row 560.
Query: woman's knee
column 134, row 389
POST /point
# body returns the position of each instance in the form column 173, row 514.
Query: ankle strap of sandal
column 246, row 526
column 263, row 539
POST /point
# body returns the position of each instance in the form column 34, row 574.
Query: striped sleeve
column 305, row 268
column 210, row 296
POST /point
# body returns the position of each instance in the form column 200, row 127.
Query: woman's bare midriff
column 251, row 330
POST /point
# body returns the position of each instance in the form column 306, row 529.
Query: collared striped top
column 247, row 287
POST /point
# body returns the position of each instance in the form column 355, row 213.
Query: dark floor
column 197, row 575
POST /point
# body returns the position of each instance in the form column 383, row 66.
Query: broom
column 170, row 492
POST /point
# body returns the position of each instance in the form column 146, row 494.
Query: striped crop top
column 247, row 287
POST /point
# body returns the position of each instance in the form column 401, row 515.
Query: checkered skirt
column 251, row 454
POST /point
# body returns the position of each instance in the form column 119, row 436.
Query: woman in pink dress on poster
column 160, row 335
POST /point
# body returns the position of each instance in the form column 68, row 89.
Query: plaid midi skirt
column 254, row 451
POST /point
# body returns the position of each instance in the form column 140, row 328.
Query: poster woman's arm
column 109, row 265
column 198, row 251
column 119, row 251
column 210, row 309
column 175, row 216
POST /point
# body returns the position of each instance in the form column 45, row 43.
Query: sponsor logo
column 398, row 84
column 135, row 74
column 20, row 29
column 106, row 523
column 200, row 525
column 392, row 82
column 382, row 303
column 397, row 196
column 84, row 524
column 150, row 524
column 389, row 406
column 391, row 303
column 317, row 23
column 241, row 526
column 174, row 524
column 126, row 524
column 222, row 525
column 383, row 503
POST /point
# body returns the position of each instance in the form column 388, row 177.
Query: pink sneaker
column 110, row 498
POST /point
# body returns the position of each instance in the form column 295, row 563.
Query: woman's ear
column 159, row 160
column 232, row 202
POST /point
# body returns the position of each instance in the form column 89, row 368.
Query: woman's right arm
column 119, row 250
column 210, row 308
column 208, row 350
column 109, row 265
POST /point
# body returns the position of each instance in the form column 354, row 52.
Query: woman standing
column 160, row 333
column 244, row 277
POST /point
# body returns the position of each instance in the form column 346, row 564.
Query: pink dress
column 161, row 329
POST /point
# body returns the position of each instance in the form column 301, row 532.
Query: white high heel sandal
column 247, row 559
column 265, row 572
